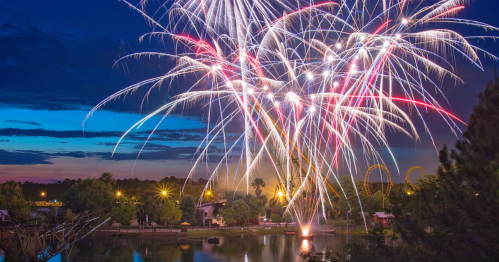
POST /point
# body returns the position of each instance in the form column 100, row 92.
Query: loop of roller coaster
column 368, row 173
column 409, row 172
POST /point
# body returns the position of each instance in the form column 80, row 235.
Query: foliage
column 256, row 207
column 69, row 216
column 124, row 211
column 91, row 195
column 276, row 218
column 351, row 203
column 188, row 208
column 227, row 214
column 241, row 210
column 107, row 178
column 455, row 215
column 149, row 206
column 12, row 199
column 257, row 183
column 170, row 213
column 264, row 199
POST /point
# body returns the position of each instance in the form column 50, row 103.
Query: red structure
column 382, row 218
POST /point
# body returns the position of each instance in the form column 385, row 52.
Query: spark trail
column 306, row 78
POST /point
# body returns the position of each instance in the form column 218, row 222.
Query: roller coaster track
column 368, row 173
column 409, row 172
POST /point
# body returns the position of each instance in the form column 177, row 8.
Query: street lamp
column 280, row 193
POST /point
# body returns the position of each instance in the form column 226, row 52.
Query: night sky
column 56, row 63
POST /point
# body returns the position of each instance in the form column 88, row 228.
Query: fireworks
column 310, row 80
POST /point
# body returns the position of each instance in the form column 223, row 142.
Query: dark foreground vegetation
column 453, row 216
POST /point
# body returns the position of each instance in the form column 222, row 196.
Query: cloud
column 24, row 157
column 57, row 134
column 160, row 152
column 22, row 122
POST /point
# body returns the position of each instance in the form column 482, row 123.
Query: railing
column 169, row 230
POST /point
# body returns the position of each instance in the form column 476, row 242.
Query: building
column 206, row 214
column 4, row 214
column 382, row 218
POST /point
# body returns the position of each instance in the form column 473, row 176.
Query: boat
column 214, row 240
column 329, row 231
column 289, row 232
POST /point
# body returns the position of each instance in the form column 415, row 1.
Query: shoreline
column 193, row 233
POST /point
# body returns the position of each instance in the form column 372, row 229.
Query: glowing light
column 305, row 246
column 305, row 230
column 215, row 54
column 310, row 76
column 164, row 192
column 43, row 193
column 280, row 194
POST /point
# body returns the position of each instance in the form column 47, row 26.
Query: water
column 277, row 248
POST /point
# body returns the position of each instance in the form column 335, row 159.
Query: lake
column 243, row 248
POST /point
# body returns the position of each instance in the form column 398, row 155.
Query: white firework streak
column 306, row 79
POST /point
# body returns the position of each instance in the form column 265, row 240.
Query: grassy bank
column 238, row 231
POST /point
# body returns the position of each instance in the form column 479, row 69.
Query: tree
column 226, row 214
column 14, row 202
column 242, row 211
column 149, row 206
column 257, row 183
column 460, row 205
column 256, row 207
column 108, row 179
column 69, row 216
column 170, row 213
column 124, row 211
column 276, row 218
column 188, row 208
column 351, row 202
column 92, row 195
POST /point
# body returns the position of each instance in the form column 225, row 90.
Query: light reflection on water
column 252, row 248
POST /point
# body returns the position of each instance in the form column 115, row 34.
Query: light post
column 43, row 195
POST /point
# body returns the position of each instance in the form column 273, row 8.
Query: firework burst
column 309, row 80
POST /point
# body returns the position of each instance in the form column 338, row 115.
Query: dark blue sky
column 56, row 62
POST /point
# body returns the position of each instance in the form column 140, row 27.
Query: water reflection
column 254, row 248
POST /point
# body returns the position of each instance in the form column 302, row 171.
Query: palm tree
column 257, row 183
